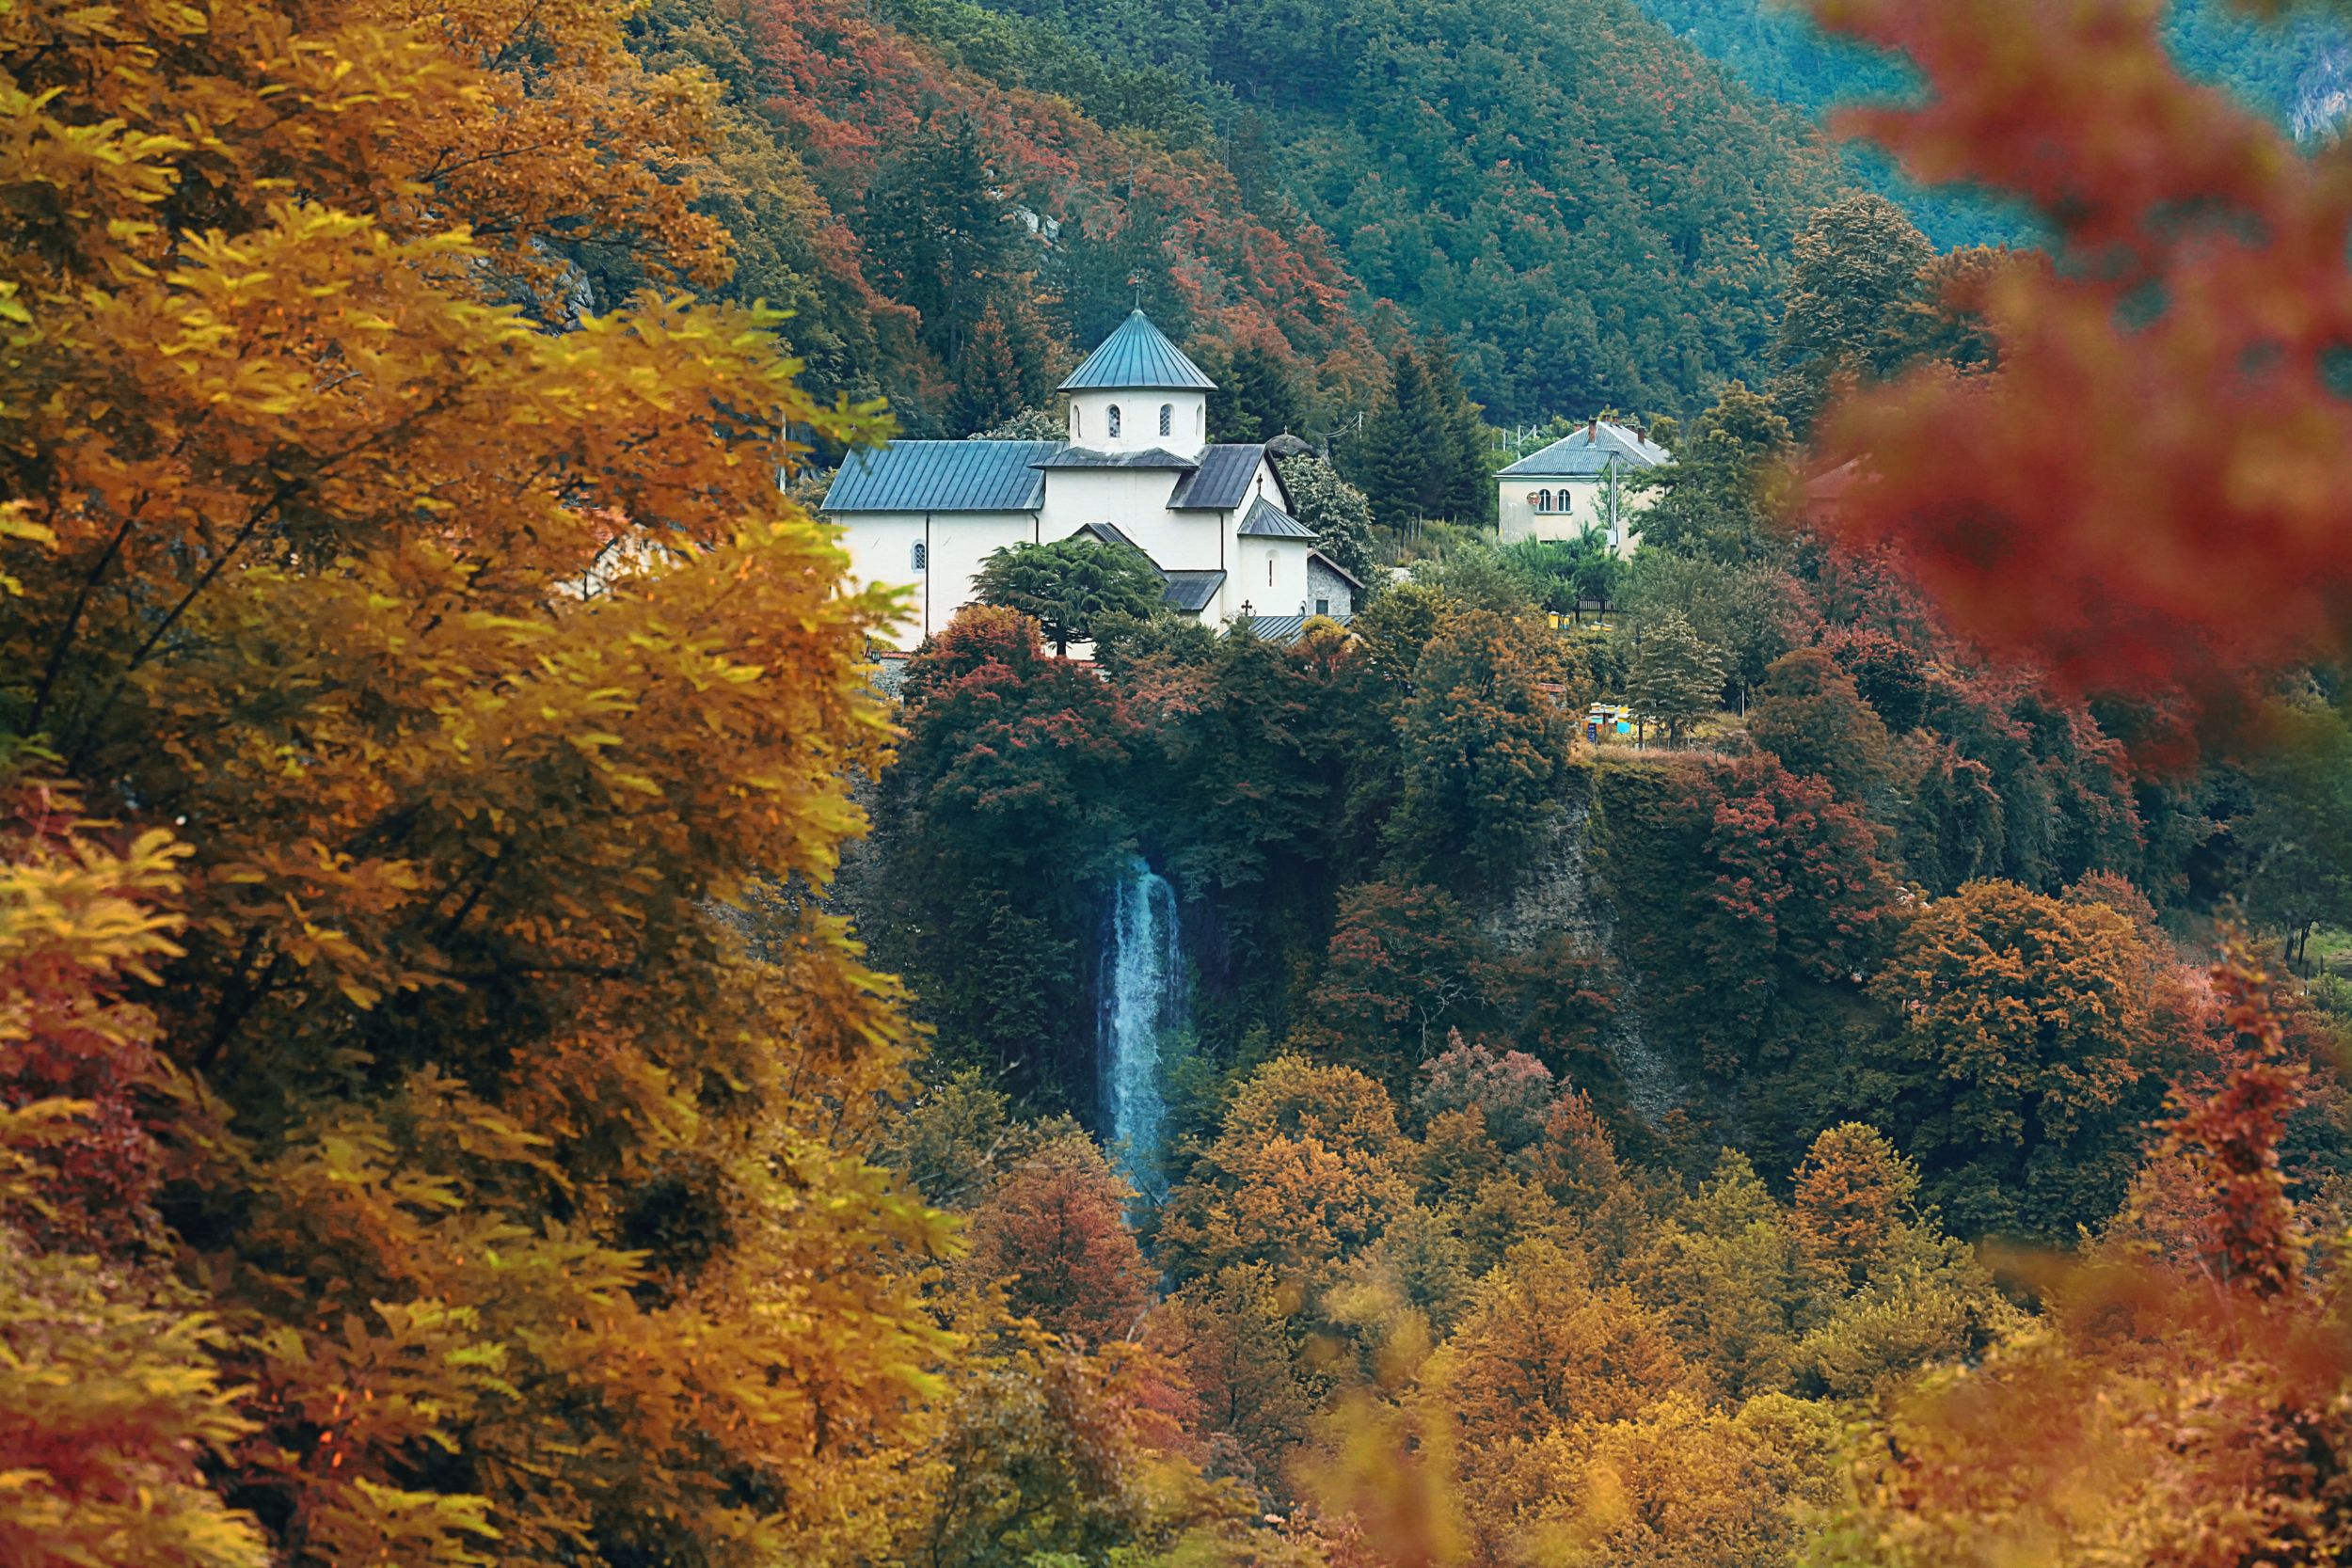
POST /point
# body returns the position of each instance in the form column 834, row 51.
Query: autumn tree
column 1855, row 1190
column 1547, row 1344
column 1512, row 1091
column 1402, row 964
column 1306, row 1170
column 1071, row 587
column 481, row 666
column 1053, row 1235
column 2027, row 1060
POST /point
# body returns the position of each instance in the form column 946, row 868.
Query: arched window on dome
column 1168, row 419
column 1114, row 421
column 922, row 559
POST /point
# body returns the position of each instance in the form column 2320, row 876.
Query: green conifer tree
column 1261, row 398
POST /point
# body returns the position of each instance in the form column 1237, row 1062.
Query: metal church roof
column 1268, row 521
column 1589, row 451
column 942, row 476
column 1088, row 457
column 1221, row 483
column 1137, row 355
column 1287, row 629
column 1190, row 592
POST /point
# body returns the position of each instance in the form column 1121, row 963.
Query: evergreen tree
column 937, row 236
column 1261, row 398
column 989, row 390
column 1465, row 481
column 1398, row 456
column 1716, row 498
column 1676, row 679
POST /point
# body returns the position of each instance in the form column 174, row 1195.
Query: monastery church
column 1138, row 468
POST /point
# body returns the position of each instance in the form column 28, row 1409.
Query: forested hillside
column 1581, row 204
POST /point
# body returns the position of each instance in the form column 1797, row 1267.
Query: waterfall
column 1142, row 1004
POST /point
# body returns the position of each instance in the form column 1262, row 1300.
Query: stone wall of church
column 1327, row 592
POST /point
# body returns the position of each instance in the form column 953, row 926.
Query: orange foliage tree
column 481, row 667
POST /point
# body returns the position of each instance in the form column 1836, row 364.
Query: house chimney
column 1592, row 431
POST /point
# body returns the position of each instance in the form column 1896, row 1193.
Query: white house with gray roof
column 1138, row 468
column 1578, row 483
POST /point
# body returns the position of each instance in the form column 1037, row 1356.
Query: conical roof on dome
column 1138, row 354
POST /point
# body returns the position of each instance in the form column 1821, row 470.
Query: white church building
column 1578, row 483
column 1138, row 468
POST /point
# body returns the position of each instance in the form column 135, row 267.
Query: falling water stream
column 1142, row 1006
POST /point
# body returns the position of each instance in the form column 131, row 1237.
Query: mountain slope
column 1583, row 204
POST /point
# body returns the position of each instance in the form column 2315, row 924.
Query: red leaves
column 2151, row 491
column 2231, row 1136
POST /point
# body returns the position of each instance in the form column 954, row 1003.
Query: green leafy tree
column 1750, row 612
column 1809, row 714
column 1337, row 511
column 1858, row 302
column 2297, row 837
column 1676, row 679
column 1718, row 495
column 1483, row 737
column 1002, row 815
column 1070, row 586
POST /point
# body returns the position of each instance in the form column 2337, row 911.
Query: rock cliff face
column 2322, row 95
column 1558, row 895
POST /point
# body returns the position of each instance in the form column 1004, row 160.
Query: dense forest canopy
column 525, row 1042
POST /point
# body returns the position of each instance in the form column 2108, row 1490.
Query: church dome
column 1138, row 356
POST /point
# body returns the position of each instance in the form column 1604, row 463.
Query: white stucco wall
column 1587, row 508
column 1139, row 421
column 881, row 549
column 1134, row 501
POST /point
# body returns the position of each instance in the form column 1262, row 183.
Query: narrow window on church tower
column 1269, row 568
column 1076, row 428
column 1168, row 419
column 922, row 556
column 1114, row 419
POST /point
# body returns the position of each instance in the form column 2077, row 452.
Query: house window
column 1323, row 607
column 1168, row 419
column 1543, row 501
column 922, row 556
column 1114, row 421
